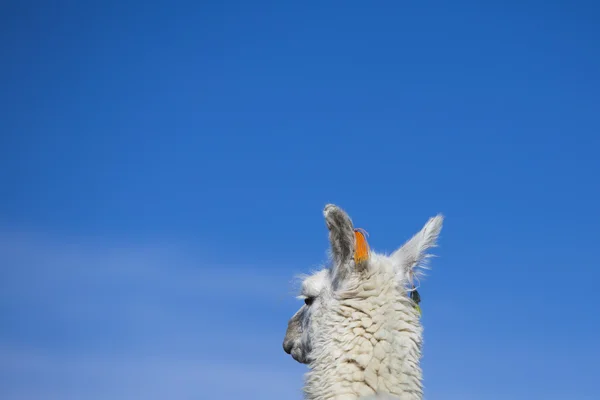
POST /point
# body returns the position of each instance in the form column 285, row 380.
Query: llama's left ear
column 409, row 259
column 341, row 238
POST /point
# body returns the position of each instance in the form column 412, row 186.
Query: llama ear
column 341, row 238
column 412, row 257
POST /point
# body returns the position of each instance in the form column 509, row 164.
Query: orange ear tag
column 361, row 250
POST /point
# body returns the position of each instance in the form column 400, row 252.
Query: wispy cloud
column 38, row 375
column 98, row 321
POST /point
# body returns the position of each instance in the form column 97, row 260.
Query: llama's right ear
column 341, row 238
column 412, row 257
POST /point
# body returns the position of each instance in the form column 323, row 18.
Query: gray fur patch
column 341, row 238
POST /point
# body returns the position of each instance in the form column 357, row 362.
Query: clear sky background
column 163, row 167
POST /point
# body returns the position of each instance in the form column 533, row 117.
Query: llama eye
column 309, row 300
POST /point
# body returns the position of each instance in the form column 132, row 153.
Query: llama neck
column 372, row 345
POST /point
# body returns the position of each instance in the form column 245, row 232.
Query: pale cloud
column 104, row 321
column 37, row 375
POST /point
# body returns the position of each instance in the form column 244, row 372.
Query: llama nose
column 287, row 346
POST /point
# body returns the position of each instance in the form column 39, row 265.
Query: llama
column 359, row 330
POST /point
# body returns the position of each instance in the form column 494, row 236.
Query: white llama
column 359, row 331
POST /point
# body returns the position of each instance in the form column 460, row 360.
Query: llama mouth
column 298, row 355
column 296, row 351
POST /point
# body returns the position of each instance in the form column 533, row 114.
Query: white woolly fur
column 360, row 333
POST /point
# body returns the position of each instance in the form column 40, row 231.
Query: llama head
column 338, row 299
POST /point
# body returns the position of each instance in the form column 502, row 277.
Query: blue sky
column 164, row 166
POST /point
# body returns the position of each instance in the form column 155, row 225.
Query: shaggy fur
column 359, row 331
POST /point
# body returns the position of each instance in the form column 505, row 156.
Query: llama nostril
column 287, row 346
